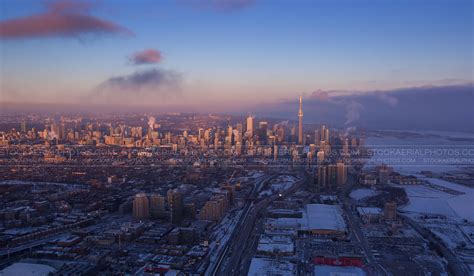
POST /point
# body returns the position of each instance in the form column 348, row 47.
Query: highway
column 229, row 262
column 9, row 251
column 240, row 232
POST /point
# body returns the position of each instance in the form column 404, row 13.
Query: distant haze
column 446, row 108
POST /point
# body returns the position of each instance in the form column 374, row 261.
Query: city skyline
column 236, row 137
column 213, row 194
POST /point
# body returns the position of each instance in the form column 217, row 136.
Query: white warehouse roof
column 324, row 217
column 27, row 269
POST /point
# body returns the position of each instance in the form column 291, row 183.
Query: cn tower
column 300, row 122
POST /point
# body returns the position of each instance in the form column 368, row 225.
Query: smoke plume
column 151, row 122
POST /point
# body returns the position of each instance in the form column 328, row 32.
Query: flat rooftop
column 327, row 270
column 275, row 243
column 369, row 211
column 315, row 217
column 27, row 269
column 324, row 217
column 268, row 266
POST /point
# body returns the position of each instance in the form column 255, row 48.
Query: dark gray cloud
column 426, row 107
column 142, row 81
column 145, row 87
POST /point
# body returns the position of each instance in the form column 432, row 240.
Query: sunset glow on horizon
column 227, row 52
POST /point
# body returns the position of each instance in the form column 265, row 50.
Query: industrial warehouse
column 316, row 219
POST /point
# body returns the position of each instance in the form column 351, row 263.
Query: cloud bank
column 427, row 107
column 142, row 80
column 64, row 18
column 145, row 87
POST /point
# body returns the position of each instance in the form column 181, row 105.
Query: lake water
column 410, row 153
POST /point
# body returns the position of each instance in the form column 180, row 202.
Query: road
column 240, row 232
column 456, row 267
column 9, row 251
column 249, row 248
column 355, row 227
column 232, row 256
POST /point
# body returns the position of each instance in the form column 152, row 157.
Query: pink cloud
column 64, row 18
column 320, row 95
column 68, row 5
column 148, row 56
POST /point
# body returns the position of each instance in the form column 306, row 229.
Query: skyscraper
column 322, row 133
column 23, row 127
column 140, row 206
column 240, row 128
column 62, row 131
column 341, row 174
column 262, row 134
column 214, row 208
column 200, row 133
column 320, row 156
column 317, row 137
column 249, row 131
column 230, row 135
column 322, row 177
column 300, row 121
column 157, row 206
column 332, row 176
column 175, row 203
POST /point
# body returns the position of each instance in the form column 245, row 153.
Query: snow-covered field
column 462, row 204
column 428, row 151
column 423, row 199
column 221, row 235
column 451, row 236
column 278, row 185
column 430, row 206
column 361, row 194
column 283, row 183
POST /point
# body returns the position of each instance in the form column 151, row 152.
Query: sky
column 228, row 55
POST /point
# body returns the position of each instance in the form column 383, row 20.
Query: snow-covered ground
column 451, row 236
column 251, row 176
column 280, row 184
column 430, row 206
column 424, row 199
column 221, row 235
column 22, row 182
column 361, row 194
column 462, row 204
column 455, row 204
